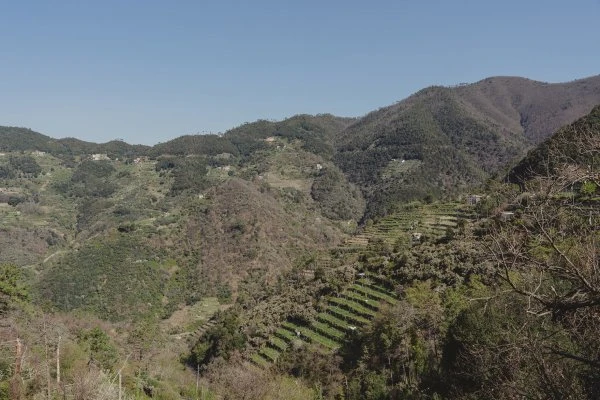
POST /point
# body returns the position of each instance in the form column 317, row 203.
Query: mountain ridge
column 460, row 136
column 468, row 91
column 453, row 137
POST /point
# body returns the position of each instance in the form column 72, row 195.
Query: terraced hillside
column 354, row 308
column 415, row 220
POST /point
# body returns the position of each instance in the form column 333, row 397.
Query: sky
column 149, row 71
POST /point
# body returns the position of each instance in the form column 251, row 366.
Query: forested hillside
column 404, row 254
column 497, row 299
column 441, row 141
column 571, row 144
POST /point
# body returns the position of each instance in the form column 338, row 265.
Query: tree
column 492, row 353
column 12, row 288
column 220, row 340
column 102, row 352
column 550, row 253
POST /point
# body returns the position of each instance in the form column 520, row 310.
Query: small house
column 416, row 237
column 100, row 157
column 473, row 199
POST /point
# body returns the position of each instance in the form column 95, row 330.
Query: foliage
column 337, row 198
column 189, row 176
column 25, row 164
column 24, row 139
column 210, row 145
column 93, row 179
column 573, row 144
column 547, row 254
column 12, row 287
column 220, row 340
column 483, row 307
column 20, row 166
column 102, row 352
column 115, row 278
column 454, row 150
column 490, row 352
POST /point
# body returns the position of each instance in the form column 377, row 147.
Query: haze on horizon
column 147, row 72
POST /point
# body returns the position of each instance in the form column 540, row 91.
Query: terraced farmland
column 431, row 220
column 368, row 291
column 354, row 308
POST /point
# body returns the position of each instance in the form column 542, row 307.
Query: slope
column 24, row 139
column 572, row 144
column 454, row 138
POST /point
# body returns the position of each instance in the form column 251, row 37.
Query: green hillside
column 314, row 257
column 572, row 144
column 442, row 141
column 445, row 150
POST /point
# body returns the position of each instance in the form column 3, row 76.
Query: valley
column 441, row 247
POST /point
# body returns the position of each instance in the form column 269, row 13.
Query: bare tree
column 550, row 252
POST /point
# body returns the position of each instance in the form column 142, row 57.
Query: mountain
column 21, row 139
column 534, row 109
column 315, row 132
column 437, row 143
column 572, row 144
column 24, row 139
column 442, row 141
column 175, row 266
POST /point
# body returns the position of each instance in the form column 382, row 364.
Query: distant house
column 100, row 157
column 473, row 199
column 38, row 153
column 416, row 237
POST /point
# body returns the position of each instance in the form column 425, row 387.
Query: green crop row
column 269, row 353
column 334, row 321
column 373, row 293
column 343, row 313
column 286, row 335
column 327, row 330
column 312, row 335
column 362, row 299
column 259, row 360
column 278, row 343
column 352, row 307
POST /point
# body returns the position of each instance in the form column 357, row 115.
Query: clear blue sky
column 149, row 71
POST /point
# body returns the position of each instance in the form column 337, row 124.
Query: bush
column 26, row 164
column 220, row 340
column 14, row 200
